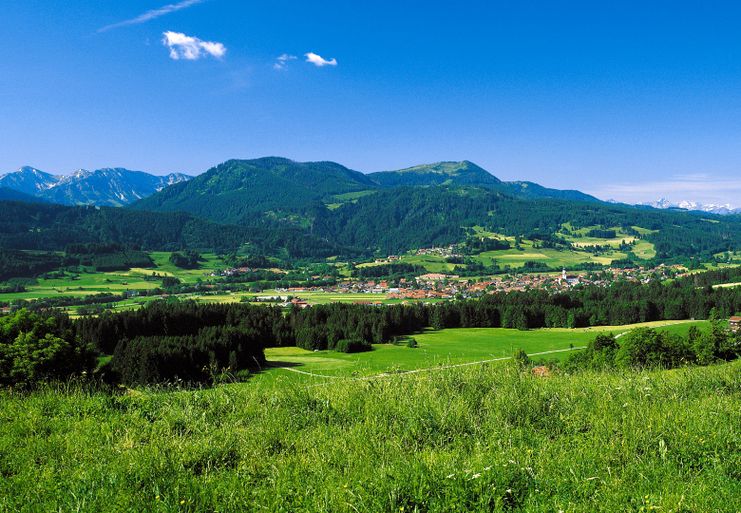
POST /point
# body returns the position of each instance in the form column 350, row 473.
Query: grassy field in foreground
column 476, row 439
column 436, row 348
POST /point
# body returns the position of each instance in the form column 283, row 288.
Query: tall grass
column 486, row 438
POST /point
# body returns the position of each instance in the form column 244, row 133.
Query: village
column 439, row 286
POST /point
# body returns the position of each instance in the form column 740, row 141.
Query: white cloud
column 282, row 60
column 152, row 14
column 191, row 48
column 318, row 60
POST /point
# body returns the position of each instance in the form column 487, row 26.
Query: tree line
column 183, row 340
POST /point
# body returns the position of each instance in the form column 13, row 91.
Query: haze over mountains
column 113, row 187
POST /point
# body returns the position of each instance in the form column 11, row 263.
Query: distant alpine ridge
column 712, row 208
column 112, row 187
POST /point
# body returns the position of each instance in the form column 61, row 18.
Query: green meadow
column 482, row 438
column 580, row 238
column 442, row 348
column 86, row 282
column 528, row 252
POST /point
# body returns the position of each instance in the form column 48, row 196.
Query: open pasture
column 445, row 348
column 85, row 283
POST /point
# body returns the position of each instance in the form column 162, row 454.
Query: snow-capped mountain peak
column 106, row 186
column 712, row 208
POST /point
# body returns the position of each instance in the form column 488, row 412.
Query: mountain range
column 238, row 190
column 697, row 206
column 250, row 185
column 113, row 187
column 293, row 209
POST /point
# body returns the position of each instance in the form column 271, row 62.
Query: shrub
column 647, row 347
column 352, row 346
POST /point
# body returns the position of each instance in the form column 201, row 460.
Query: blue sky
column 628, row 101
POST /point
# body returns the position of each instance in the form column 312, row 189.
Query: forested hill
column 428, row 205
column 238, row 190
column 395, row 220
column 36, row 226
column 7, row 194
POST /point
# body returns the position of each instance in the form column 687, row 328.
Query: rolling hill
column 467, row 173
column 530, row 190
column 239, row 190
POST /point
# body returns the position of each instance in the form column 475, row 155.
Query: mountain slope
column 7, row 194
column 398, row 219
column 441, row 173
column 467, row 173
column 238, row 190
column 530, row 190
column 48, row 227
column 112, row 187
column 104, row 187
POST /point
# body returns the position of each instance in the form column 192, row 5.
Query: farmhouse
column 300, row 303
column 735, row 323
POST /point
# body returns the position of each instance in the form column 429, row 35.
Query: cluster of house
column 445, row 286
column 443, row 251
column 231, row 271
column 284, row 301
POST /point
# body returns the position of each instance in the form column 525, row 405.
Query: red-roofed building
column 735, row 323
